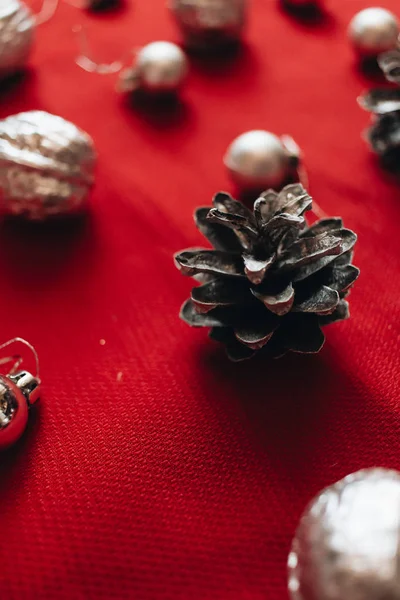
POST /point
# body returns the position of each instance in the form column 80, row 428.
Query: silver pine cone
column 384, row 104
column 271, row 282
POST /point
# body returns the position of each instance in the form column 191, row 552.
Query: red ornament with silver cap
column 19, row 390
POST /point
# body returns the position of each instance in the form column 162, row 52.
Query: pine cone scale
column 192, row 262
column 309, row 250
column 280, row 303
column 219, row 236
column 323, row 301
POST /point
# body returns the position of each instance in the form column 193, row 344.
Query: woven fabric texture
column 153, row 469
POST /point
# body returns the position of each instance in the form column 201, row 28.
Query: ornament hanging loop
column 17, row 359
column 85, row 62
column 47, row 11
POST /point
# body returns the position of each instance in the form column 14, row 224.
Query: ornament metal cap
column 28, row 384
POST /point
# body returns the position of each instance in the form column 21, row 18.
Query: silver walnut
column 373, row 31
column 160, row 67
column 46, row 166
column 257, row 160
column 205, row 23
column 347, row 546
column 17, row 26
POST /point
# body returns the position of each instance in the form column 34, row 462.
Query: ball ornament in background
column 258, row 159
column 347, row 545
column 373, row 31
column 207, row 24
column 160, row 67
column 46, row 166
column 17, row 25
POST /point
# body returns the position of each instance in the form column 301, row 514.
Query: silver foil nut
column 46, row 166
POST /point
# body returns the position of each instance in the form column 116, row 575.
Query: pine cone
column 272, row 281
column 384, row 134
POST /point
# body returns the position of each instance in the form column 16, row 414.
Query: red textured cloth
column 154, row 469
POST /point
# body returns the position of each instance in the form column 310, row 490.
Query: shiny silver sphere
column 160, row 67
column 16, row 35
column 206, row 23
column 373, row 31
column 347, row 546
column 257, row 160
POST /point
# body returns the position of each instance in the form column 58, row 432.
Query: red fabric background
column 186, row 478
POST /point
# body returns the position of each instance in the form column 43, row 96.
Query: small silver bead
column 16, row 36
column 374, row 30
column 258, row 160
column 347, row 546
column 161, row 67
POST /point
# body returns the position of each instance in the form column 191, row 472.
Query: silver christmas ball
column 160, row 67
column 260, row 160
column 16, row 35
column 347, row 546
column 208, row 22
column 373, row 31
column 46, row 166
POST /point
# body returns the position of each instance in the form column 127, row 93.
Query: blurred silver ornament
column 373, row 31
column 159, row 67
column 17, row 26
column 206, row 23
column 347, row 546
column 300, row 3
column 258, row 160
column 46, row 166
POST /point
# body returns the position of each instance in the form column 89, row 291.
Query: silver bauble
column 347, row 546
column 259, row 160
column 46, row 166
column 16, row 35
column 160, row 67
column 205, row 23
column 373, row 31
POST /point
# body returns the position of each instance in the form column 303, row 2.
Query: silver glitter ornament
column 46, row 166
column 17, row 26
column 347, row 546
column 374, row 30
column 205, row 23
column 259, row 160
column 160, row 67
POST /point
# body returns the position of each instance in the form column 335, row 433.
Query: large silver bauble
column 160, row 67
column 46, row 166
column 373, row 31
column 208, row 22
column 347, row 546
column 16, row 35
column 259, row 160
